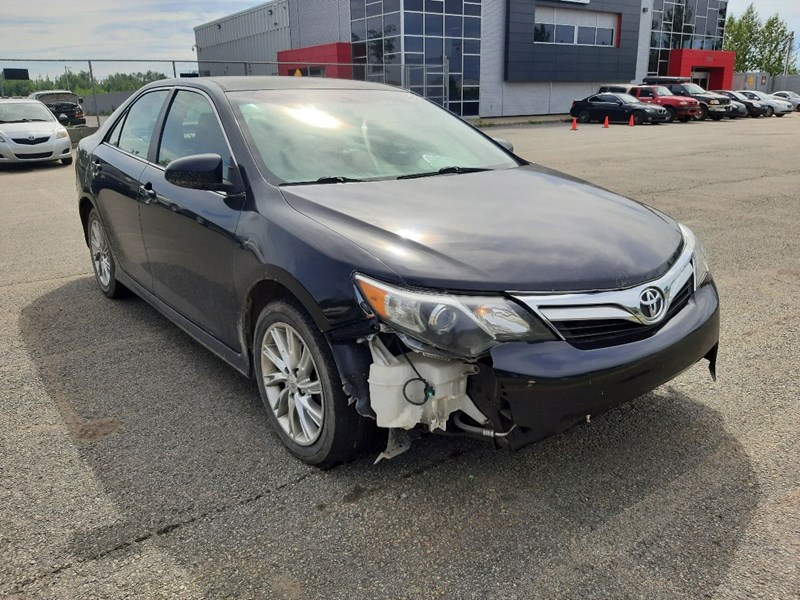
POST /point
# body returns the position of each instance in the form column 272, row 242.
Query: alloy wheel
column 292, row 384
column 101, row 255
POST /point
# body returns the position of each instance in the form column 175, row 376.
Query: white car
column 775, row 106
column 791, row 97
column 30, row 133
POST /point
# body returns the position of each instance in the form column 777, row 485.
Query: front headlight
column 61, row 134
column 714, row 102
column 466, row 326
column 683, row 103
column 699, row 260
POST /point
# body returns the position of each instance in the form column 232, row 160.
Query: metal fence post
column 244, row 64
column 174, row 70
column 446, row 69
column 94, row 95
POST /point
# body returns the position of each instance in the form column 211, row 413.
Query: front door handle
column 147, row 193
column 97, row 166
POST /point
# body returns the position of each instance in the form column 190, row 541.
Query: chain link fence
column 103, row 85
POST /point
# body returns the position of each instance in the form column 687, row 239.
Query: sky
column 163, row 28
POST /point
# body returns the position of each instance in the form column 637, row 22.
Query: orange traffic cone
column 605, row 123
column 631, row 124
column 574, row 125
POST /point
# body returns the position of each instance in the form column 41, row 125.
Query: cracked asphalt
column 134, row 464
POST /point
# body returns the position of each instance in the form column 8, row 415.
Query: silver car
column 30, row 133
column 791, row 97
column 775, row 106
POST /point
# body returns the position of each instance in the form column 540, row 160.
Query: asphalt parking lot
column 135, row 464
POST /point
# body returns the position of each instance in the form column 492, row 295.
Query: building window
column 433, row 31
column 697, row 24
column 574, row 27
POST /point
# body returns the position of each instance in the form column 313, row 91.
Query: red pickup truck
column 678, row 107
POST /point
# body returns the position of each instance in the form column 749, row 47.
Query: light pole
column 789, row 45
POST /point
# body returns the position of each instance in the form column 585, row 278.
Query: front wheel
column 780, row 115
column 301, row 389
column 638, row 118
column 66, row 161
column 703, row 114
column 770, row 111
column 670, row 114
column 103, row 263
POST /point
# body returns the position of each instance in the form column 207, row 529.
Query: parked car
column 740, row 110
column 373, row 261
column 30, row 133
column 775, row 106
column 62, row 102
column 713, row 106
column 677, row 107
column 617, row 107
column 754, row 107
column 792, row 97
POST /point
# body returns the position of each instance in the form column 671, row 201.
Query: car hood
column 521, row 229
column 36, row 129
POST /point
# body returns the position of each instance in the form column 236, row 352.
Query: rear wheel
column 301, row 389
column 103, row 263
column 670, row 114
column 583, row 116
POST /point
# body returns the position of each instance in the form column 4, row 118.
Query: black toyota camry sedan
column 617, row 107
column 378, row 265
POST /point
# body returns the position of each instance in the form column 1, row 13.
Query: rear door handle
column 147, row 193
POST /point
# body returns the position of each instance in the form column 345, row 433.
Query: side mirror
column 80, row 100
column 504, row 143
column 63, row 119
column 200, row 172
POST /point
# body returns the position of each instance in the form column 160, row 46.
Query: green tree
column 741, row 36
column 760, row 46
column 774, row 46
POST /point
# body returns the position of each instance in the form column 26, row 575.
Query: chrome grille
column 589, row 334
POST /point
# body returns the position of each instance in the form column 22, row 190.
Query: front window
column 24, row 112
column 693, row 88
column 307, row 135
column 662, row 91
column 627, row 99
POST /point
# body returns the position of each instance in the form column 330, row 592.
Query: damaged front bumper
column 524, row 392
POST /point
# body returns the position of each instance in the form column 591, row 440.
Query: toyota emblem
column 31, row 137
column 651, row 304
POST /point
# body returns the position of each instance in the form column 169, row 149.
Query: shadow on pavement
column 650, row 500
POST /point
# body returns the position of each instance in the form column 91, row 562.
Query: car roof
column 254, row 83
column 42, row 92
column 19, row 101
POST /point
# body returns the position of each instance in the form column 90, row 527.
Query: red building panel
column 718, row 64
column 328, row 60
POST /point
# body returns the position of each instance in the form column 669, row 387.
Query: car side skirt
column 236, row 359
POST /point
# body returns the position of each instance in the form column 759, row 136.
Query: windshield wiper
column 329, row 179
column 445, row 171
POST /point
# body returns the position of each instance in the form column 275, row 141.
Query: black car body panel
column 551, row 386
column 558, row 234
column 210, row 260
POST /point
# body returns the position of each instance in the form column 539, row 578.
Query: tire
column 670, row 114
column 638, row 118
column 66, row 161
column 292, row 360
column 780, row 115
column 583, row 116
column 103, row 262
column 703, row 114
column 770, row 111
column 716, row 118
column 685, row 119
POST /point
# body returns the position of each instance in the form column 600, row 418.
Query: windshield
column 303, row 136
column 627, row 99
column 693, row 88
column 662, row 91
column 23, row 112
